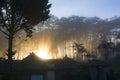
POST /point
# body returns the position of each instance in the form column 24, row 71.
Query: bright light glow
column 43, row 53
column 44, row 45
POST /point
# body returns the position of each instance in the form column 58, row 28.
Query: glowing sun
column 43, row 53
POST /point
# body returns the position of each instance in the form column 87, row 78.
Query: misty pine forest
column 37, row 45
column 61, row 37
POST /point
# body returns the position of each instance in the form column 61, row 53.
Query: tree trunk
column 9, row 73
column 10, row 48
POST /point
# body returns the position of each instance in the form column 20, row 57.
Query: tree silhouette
column 79, row 50
column 18, row 15
column 106, row 49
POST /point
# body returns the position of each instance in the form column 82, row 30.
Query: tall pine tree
column 17, row 15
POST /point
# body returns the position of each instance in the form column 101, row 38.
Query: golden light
column 43, row 53
column 43, row 44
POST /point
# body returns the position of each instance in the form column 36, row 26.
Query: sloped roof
column 65, row 63
column 33, row 62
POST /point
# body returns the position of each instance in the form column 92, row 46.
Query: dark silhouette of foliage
column 18, row 15
column 79, row 48
column 117, row 50
column 106, row 49
column 79, row 51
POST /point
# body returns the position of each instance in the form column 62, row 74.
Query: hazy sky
column 88, row 8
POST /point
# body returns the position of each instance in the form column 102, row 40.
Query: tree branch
column 4, row 32
column 4, row 24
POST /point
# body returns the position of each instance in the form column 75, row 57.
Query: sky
column 88, row 8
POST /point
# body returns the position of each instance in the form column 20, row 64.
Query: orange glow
column 43, row 53
column 44, row 45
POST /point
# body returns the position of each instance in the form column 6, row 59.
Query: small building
column 34, row 68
